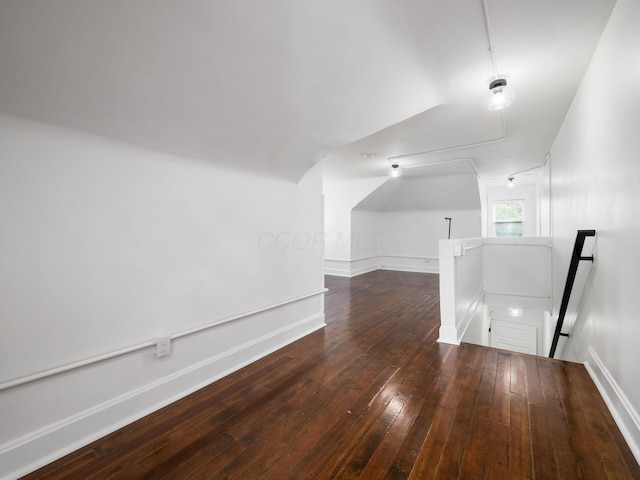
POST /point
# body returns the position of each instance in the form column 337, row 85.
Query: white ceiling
column 442, row 192
column 542, row 47
column 275, row 86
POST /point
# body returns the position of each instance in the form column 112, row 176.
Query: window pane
column 509, row 211
column 509, row 229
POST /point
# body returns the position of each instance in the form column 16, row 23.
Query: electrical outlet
column 163, row 346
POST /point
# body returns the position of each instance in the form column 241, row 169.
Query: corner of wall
column 621, row 408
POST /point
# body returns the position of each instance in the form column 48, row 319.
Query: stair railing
column 576, row 257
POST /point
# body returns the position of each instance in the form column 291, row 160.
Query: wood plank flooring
column 374, row 396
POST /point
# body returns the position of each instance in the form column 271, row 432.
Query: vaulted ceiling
column 275, row 86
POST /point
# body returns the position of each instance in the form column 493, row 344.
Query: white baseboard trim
column 352, row 268
column 409, row 269
column 448, row 335
column 337, row 272
column 409, row 264
column 621, row 409
column 339, row 268
column 364, row 265
column 38, row 448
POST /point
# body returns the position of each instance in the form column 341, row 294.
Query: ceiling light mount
column 394, row 170
column 500, row 97
column 497, row 83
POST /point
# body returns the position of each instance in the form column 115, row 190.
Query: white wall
column 339, row 199
column 397, row 224
column 545, row 199
column 106, row 246
column 367, row 237
column 461, row 287
column 497, row 273
column 411, row 218
column 518, row 267
column 416, row 234
column 402, row 241
column 595, row 183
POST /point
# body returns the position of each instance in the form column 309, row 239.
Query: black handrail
column 576, row 256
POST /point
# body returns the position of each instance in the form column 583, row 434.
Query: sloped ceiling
column 274, row 86
column 443, row 192
column 267, row 86
column 542, row 47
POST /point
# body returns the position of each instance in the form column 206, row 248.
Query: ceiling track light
column 394, row 170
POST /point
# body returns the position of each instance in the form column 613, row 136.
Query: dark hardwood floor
column 374, row 396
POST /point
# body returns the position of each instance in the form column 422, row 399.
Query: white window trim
column 524, row 193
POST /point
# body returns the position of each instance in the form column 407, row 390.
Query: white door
column 514, row 336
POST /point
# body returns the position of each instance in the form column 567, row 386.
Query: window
column 508, row 218
column 511, row 212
